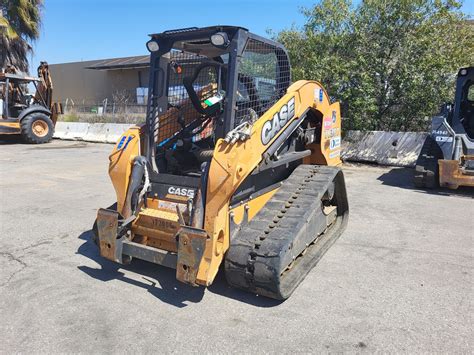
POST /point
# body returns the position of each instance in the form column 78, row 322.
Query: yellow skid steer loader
column 234, row 165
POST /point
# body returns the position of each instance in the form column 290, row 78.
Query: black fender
column 34, row 108
column 443, row 135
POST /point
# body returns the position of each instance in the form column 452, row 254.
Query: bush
column 391, row 64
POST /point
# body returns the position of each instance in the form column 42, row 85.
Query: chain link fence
column 124, row 107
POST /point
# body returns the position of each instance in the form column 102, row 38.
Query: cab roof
column 186, row 38
column 197, row 30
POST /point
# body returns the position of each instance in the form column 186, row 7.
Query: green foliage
column 257, row 64
column 19, row 24
column 69, row 118
column 390, row 63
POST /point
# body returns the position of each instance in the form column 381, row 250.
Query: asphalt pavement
column 400, row 278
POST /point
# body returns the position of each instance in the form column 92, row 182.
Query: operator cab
column 13, row 94
column 463, row 116
column 467, row 108
column 204, row 82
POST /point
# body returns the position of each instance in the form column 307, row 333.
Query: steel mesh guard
column 181, row 111
column 260, row 80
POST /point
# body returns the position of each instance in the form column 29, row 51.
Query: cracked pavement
column 400, row 279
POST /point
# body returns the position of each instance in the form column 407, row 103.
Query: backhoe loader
column 31, row 116
column 235, row 165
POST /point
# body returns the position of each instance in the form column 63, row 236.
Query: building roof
column 141, row 61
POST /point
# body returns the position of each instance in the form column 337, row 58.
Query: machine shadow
column 11, row 139
column 160, row 281
column 403, row 178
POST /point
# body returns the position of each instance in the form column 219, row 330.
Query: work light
column 220, row 39
column 152, row 46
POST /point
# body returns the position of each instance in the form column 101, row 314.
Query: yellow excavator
column 235, row 165
column 31, row 116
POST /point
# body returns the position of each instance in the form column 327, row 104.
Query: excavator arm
column 44, row 92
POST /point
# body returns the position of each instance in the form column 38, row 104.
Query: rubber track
column 254, row 261
column 426, row 169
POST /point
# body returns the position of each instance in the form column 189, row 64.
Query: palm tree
column 20, row 21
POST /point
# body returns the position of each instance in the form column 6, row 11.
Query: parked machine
column 447, row 156
column 234, row 165
column 31, row 116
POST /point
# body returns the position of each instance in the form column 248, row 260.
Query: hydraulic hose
column 139, row 171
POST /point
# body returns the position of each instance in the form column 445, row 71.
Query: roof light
column 220, row 39
column 153, row 46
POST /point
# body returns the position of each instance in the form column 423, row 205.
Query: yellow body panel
column 157, row 228
column 452, row 176
column 10, row 127
column 120, row 164
column 232, row 163
column 252, row 206
column 330, row 146
column 230, row 166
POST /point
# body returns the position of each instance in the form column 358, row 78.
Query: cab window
column 470, row 93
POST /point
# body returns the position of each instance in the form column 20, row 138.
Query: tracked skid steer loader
column 447, row 156
column 234, row 165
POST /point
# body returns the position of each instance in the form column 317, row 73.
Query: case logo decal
column 280, row 119
column 181, row 191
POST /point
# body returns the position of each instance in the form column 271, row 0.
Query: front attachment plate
column 191, row 245
column 452, row 176
column 107, row 225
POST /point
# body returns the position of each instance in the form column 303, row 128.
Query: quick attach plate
column 107, row 226
column 191, row 245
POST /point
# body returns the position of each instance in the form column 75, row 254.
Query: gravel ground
column 400, row 279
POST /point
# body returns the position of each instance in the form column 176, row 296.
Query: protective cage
column 199, row 92
column 181, row 112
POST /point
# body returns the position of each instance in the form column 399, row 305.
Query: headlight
column 152, row 46
column 463, row 72
column 220, row 39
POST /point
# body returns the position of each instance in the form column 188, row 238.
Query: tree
column 19, row 25
column 390, row 63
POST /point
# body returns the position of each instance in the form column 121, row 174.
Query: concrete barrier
column 385, row 148
column 115, row 131
column 96, row 133
column 90, row 132
column 71, row 130
column 105, row 132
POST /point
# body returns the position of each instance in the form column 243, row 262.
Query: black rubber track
column 426, row 169
column 273, row 253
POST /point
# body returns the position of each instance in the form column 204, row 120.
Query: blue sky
column 75, row 30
